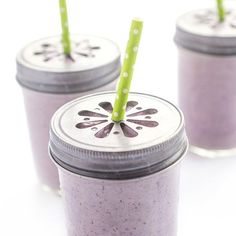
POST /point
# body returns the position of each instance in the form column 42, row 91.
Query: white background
column 208, row 187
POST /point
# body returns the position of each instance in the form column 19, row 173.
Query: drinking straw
column 127, row 71
column 65, row 28
column 221, row 10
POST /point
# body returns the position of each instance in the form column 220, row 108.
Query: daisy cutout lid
column 86, row 123
column 88, row 52
column 201, row 31
column 205, row 22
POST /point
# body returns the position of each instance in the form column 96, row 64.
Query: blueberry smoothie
column 119, row 178
column 50, row 79
column 207, row 70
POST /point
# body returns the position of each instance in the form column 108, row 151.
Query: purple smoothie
column 50, row 80
column 119, row 178
column 207, row 70
column 40, row 108
column 143, row 206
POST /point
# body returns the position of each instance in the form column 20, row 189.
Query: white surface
column 208, row 187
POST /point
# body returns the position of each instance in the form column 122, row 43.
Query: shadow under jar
column 50, row 79
column 207, row 81
column 119, row 178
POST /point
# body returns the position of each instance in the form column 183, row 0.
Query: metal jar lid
column 201, row 31
column 85, row 141
column 43, row 67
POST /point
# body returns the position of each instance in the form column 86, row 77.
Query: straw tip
column 136, row 19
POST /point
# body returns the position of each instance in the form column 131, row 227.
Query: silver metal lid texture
column 85, row 141
column 201, row 31
column 42, row 65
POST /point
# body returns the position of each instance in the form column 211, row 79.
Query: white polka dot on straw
column 136, row 31
column 116, row 114
column 125, row 91
column 135, row 49
column 125, row 75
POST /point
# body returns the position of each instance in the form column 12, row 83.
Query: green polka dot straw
column 65, row 28
column 221, row 10
column 127, row 71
